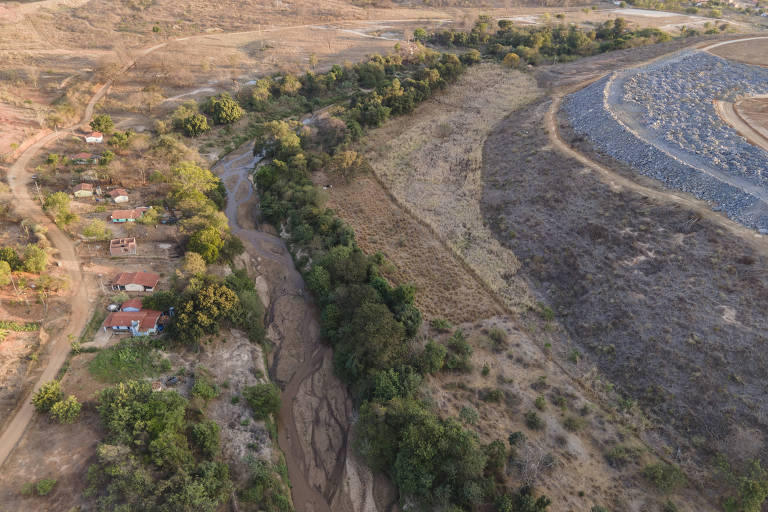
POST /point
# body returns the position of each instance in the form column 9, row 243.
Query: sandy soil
column 754, row 112
column 751, row 52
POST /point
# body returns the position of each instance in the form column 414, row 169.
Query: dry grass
column 431, row 163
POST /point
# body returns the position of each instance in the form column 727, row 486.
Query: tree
column 206, row 437
column 347, row 164
column 97, row 229
column 207, row 242
column 194, row 264
column 5, row 273
column 201, row 313
column 9, row 255
column 66, row 411
column 195, row 125
column 35, row 259
column 106, row 158
column 102, row 123
column 48, row 394
column 121, row 140
column 224, row 109
column 511, row 60
column 58, row 204
column 420, row 35
column 151, row 217
column 264, row 399
column 290, row 85
column 313, row 60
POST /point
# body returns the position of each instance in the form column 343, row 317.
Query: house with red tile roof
column 94, row 138
column 132, row 215
column 83, row 190
column 138, row 323
column 135, row 281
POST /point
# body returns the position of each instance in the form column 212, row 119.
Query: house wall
column 134, row 288
column 121, row 199
column 83, row 193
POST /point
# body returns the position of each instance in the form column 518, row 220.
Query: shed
column 131, row 305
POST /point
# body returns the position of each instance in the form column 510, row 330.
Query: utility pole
column 39, row 195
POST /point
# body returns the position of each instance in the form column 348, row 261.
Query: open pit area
column 662, row 120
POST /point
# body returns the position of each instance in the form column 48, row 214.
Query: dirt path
column 729, row 113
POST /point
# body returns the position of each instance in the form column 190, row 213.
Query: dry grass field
column 750, row 52
column 432, row 163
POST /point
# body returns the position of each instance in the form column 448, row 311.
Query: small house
column 83, row 190
column 135, row 282
column 138, row 323
column 133, row 305
column 94, row 138
column 119, row 195
column 120, row 216
column 122, row 247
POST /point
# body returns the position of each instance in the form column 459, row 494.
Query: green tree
column 9, row 255
column 35, row 259
column 66, row 411
column 5, row 273
column 206, row 437
column 511, row 60
column 264, row 399
column 151, row 217
column 420, row 35
column 207, row 242
column 195, row 125
column 224, row 109
column 290, row 85
column 48, row 394
column 121, row 140
column 201, row 313
column 58, row 204
column 102, row 123
column 45, row 486
column 97, row 229
column 106, row 158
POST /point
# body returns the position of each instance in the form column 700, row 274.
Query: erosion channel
column 315, row 420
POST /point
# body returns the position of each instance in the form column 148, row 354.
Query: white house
column 119, row 195
column 136, row 281
column 138, row 323
column 94, row 138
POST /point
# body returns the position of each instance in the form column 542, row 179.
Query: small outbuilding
column 122, row 247
column 94, row 138
column 82, row 159
column 135, row 282
column 119, row 195
column 83, row 190
column 131, row 305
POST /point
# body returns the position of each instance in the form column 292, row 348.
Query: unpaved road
column 729, row 112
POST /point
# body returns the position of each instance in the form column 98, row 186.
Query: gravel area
column 661, row 120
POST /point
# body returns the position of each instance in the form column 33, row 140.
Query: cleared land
column 750, row 52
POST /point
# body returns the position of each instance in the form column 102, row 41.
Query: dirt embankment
column 315, row 421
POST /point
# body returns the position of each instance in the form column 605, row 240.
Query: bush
column 5, row 273
column 45, row 486
column 224, row 109
column 511, row 60
column 433, row 358
column 205, row 387
column 619, row 456
column 468, row 415
column 264, row 399
column 9, row 255
column 533, row 421
column 97, row 229
column 665, row 477
column 48, row 394
column 131, row 358
column 66, row 411
column 573, row 424
column 208, row 243
column 35, row 259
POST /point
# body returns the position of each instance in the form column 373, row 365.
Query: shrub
column 224, row 109
column 511, row 60
column 516, row 438
column 97, row 229
column 45, row 486
column 440, row 324
column 533, row 421
column 665, row 477
column 573, row 424
column 48, row 394
column 66, row 411
column 264, row 399
column 498, row 337
column 9, row 255
column 619, row 456
column 433, row 358
column 468, row 415
column 204, row 387
column 195, row 125
column 5, row 273
column 35, row 259
column 540, row 403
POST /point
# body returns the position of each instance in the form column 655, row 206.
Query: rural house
column 94, row 138
column 132, row 305
column 122, row 247
column 135, row 281
column 119, row 216
column 83, row 190
column 138, row 323
column 119, row 195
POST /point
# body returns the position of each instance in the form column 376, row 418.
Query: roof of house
column 133, row 213
column 83, row 186
column 132, row 303
column 147, row 319
column 146, row 279
column 82, row 156
column 95, row 134
column 118, row 192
